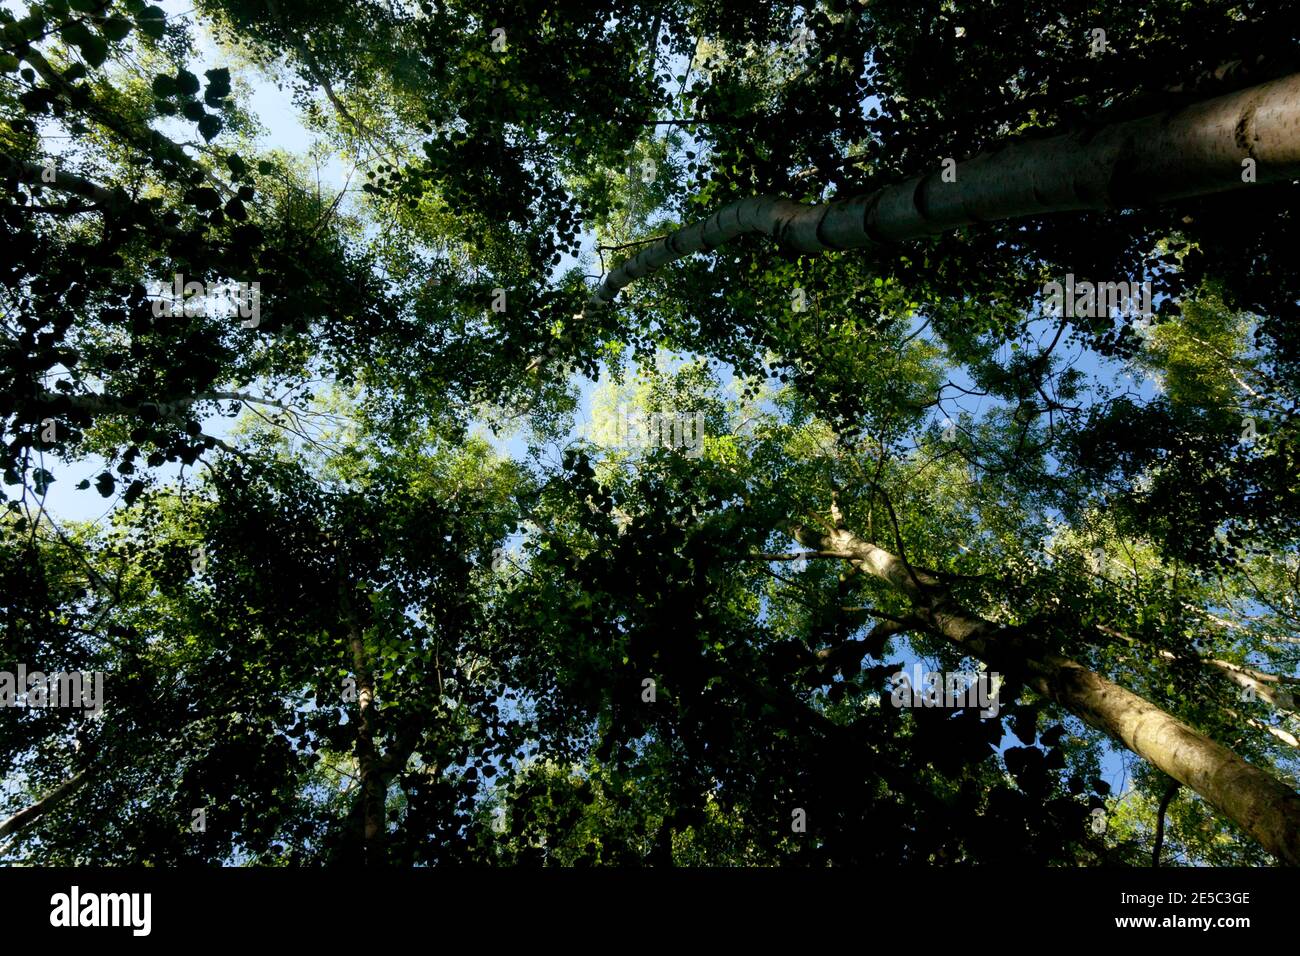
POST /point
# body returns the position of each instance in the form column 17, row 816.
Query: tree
column 640, row 650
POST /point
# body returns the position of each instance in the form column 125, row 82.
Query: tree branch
column 1175, row 154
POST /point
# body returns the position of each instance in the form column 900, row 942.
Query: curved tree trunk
column 1261, row 805
column 1190, row 151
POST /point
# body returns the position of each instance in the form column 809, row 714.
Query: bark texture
column 1190, row 151
column 1257, row 802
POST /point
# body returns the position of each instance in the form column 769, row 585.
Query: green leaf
column 210, row 125
column 41, row 480
column 218, row 86
column 117, row 28
column 152, row 22
column 187, row 82
column 94, row 49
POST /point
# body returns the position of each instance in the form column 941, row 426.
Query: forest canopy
column 695, row 433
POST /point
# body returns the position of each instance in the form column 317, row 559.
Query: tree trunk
column 30, row 814
column 1190, row 151
column 1261, row 805
column 1170, row 791
column 374, row 782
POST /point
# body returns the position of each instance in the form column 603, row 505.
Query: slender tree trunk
column 1190, row 151
column 374, row 782
column 1261, row 805
column 1160, row 822
column 115, row 199
column 30, row 814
